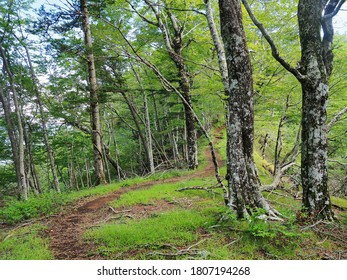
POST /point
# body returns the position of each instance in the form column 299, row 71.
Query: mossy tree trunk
column 243, row 182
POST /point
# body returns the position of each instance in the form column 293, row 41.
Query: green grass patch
column 165, row 192
column 26, row 243
column 178, row 227
column 283, row 202
column 339, row 202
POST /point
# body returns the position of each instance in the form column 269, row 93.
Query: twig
column 232, row 242
column 208, row 189
column 321, row 242
column 118, row 212
column 186, row 251
column 311, row 226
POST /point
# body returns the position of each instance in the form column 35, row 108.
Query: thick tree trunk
column 316, row 61
column 94, row 98
column 191, row 134
column 313, row 73
column 243, row 183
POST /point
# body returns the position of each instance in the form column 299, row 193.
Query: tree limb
column 275, row 52
column 336, row 7
column 336, row 118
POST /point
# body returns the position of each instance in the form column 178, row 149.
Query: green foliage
column 25, row 243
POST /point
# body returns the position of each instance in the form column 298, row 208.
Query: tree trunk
column 223, row 68
column 313, row 73
column 316, row 61
column 94, row 98
column 30, row 161
column 148, row 131
column 243, row 183
column 174, row 46
column 20, row 140
column 11, row 131
column 44, row 123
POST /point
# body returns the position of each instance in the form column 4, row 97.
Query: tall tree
column 20, row 150
column 243, row 182
column 43, row 119
column 94, row 98
column 172, row 31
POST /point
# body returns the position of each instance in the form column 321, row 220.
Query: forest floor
column 65, row 230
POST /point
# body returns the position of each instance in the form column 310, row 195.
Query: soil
column 65, row 230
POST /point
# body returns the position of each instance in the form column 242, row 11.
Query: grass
column 206, row 220
column 166, row 192
column 25, row 243
column 178, row 227
column 205, row 232
column 339, row 202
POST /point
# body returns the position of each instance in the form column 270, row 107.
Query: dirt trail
column 65, row 230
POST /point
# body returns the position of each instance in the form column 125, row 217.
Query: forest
column 161, row 129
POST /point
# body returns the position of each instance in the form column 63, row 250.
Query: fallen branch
column 118, row 212
column 311, row 226
column 208, row 189
column 187, row 251
column 232, row 242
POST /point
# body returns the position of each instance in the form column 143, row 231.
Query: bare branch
column 142, row 16
column 336, row 118
column 275, row 52
column 217, row 44
column 162, row 26
column 336, row 7
column 338, row 162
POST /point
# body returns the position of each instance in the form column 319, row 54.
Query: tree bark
column 223, row 68
column 94, row 98
column 316, row 65
column 22, row 178
column 243, row 182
